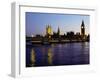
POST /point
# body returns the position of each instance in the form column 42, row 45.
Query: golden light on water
column 32, row 56
column 50, row 56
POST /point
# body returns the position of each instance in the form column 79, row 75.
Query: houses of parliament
column 56, row 37
column 81, row 34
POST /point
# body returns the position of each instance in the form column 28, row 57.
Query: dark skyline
column 36, row 22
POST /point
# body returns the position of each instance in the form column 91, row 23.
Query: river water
column 57, row 54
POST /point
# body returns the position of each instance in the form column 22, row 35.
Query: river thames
column 57, row 54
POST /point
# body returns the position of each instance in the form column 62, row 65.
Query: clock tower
column 82, row 29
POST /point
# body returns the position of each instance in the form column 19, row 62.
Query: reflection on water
column 57, row 54
column 50, row 55
column 32, row 57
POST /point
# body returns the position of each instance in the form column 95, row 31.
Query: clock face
column 82, row 27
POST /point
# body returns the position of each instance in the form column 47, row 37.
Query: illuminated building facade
column 48, row 31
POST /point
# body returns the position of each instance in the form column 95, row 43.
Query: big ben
column 83, row 29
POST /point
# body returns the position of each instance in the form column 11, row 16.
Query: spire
column 82, row 23
column 83, row 29
column 58, row 31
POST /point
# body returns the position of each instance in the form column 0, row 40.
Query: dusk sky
column 36, row 22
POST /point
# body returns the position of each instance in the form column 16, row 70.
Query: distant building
column 83, row 30
column 78, row 33
column 48, row 31
column 58, row 32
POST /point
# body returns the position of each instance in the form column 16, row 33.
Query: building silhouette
column 58, row 32
column 83, row 30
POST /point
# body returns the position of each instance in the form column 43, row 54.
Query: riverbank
column 55, row 42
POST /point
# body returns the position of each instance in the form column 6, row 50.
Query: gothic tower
column 58, row 31
column 48, row 31
column 82, row 29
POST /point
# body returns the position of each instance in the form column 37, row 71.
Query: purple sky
column 36, row 22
